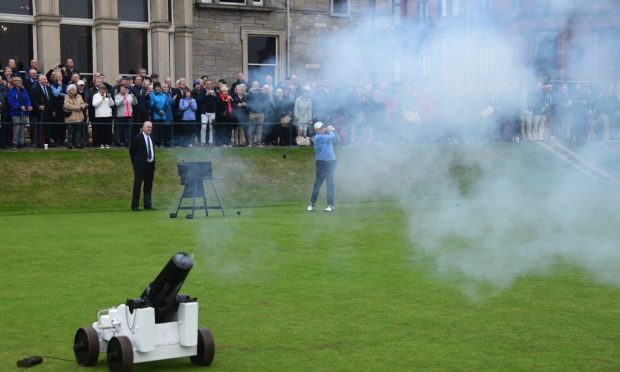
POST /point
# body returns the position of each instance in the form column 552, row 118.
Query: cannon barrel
column 163, row 293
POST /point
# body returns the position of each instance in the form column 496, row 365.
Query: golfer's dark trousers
column 144, row 176
column 324, row 172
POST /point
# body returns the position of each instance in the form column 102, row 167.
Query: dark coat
column 138, row 153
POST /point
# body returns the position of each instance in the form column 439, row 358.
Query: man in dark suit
column 41, row 97
column 142, row 154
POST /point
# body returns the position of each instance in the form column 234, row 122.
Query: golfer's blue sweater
column 324, row 146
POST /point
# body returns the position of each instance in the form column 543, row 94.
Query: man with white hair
column 142, row 154
column 324, row 141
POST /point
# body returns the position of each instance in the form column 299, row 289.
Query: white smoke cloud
column 482, row 222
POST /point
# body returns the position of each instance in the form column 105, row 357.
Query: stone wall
column 218, row 29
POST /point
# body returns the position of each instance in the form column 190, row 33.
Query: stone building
column 179, row 38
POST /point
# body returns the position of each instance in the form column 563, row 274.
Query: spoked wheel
column 86, row 346
column 206, row 348
column 120, row 354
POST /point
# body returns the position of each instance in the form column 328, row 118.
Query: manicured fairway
column 283, row 289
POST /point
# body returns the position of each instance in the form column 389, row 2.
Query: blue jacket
column 324, row 146
column 158, row 104
column 17, row 100
column 188, row 107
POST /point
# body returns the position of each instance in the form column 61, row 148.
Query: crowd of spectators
column 63, row 108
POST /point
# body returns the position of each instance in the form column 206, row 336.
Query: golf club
column 285, row 154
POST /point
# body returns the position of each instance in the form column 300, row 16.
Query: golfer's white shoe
column 330, row 208
column 310, row 207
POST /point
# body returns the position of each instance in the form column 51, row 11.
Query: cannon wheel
column 86, row 346
column 206, row 348
column 120, row 354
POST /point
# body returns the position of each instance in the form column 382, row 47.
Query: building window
column 239, row 2
column 76, row 42
column 76, row 9
column 422, row 11
column 546, row 46
column 133, row 10
column 340, row 7
column 16, row 41
column 132, row 50
column 262, row 57
column 16, row 7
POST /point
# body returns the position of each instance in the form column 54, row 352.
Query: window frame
column 68, row 21
column 24, row 19
column 280, row 68
column 145, row 26
column 334, row 14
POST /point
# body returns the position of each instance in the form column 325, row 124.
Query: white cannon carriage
column 161, row 324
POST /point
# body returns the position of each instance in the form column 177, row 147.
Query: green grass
column 283, row 289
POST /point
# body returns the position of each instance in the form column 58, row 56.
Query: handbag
column 285, row 120
column 67, row 112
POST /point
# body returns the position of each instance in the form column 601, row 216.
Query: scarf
column 228, row 105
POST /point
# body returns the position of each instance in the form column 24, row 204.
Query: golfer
column 324, row 141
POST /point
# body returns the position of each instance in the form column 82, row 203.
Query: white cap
column 81, row 82
column 318, row 125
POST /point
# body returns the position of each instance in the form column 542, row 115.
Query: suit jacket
column 138, row 153
column 39, row 98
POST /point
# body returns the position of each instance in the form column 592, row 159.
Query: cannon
column 160, row 324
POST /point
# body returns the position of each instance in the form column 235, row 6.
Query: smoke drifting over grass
column 481, row 220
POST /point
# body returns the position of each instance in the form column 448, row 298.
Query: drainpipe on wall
column 288, row 37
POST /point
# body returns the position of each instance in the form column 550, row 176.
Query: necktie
column 148, row 149
column 45, row 91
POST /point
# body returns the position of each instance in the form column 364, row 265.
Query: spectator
column 74, row 107
column 256, row 114
column 268, row 81
column 563, row 113
column 199, row 95
column 68, row 70
column 142, row 92
column 7, row 74
column 31, row 79
column 34, row 65
column 303, row 113
column 58, row 132
column 188, row 108
column 268, row 115
column 103, row 117
column 240, row 81
column 124, row 114
column 4, row 112
column 582, row 110
column 177, row 94
column 42, row 97
column 540, row 107
column 207, row 118
column 168, row 126
column 525, row 118
column 157, row 106
column 224, row 118
column 20, row 107
column 240, row 111
column 282, row 117
column 82, row 91
column 603, row 109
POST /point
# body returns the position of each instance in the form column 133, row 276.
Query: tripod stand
column 193, row 176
